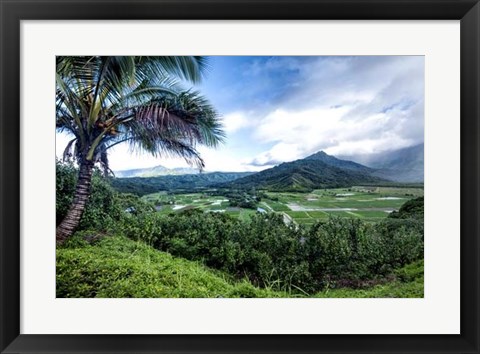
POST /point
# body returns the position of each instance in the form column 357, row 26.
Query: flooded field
column 368, row 203
column 168, row 203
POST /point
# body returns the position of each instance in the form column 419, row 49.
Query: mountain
column 333, row 161
column 403, row 165
column 156, row 171
column 190, row 183
column 313, row 172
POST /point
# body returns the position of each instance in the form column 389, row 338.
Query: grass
column 371, row 213
column 245, row 214
column 409, row 283
column 317, row 214
column 297, row 214
column 276, row 206
column 117, row 267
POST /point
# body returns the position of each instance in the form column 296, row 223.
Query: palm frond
column 69, row 151
column 166, row 147
column 106, row 100
column 188, row 68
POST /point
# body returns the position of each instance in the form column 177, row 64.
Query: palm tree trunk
column 74, row 214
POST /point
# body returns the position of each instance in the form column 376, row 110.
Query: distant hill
column 403, row 165
column 412, row 209
column 192, row 182
column 333, row 161
column 156, row 171
column 316, row 171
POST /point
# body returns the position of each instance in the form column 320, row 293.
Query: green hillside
column 408, row 283
column 333, row 161
column 306, row 175
column 147, row 185
column 117, row 267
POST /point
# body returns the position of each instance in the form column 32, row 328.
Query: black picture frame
column 14, row 11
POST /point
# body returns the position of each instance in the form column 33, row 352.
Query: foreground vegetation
column 405, row 282
column 259, row 255
column 118, row 267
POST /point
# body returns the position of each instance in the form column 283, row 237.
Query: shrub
column 122, row 268
column 335, row 252
column 102, row 209
column 412, row 209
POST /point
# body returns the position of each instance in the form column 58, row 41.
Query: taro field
column 369, row 203
column 167, row 203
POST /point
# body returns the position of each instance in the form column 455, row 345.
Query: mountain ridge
column 400, row 165
column 334, row 161
column 187, row 182
column 155, row 171
column 316, row 171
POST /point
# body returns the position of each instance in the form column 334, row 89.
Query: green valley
column 370, row 203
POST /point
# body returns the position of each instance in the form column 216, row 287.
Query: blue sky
column 278, row 109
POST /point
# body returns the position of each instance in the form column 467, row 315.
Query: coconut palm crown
column 105, row 101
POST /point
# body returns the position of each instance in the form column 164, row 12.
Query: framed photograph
column 237, row 176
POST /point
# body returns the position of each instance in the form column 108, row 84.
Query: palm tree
column 105, row 101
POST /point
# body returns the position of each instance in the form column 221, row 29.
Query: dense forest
column 190, row 182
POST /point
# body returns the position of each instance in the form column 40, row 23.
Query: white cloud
column 280, row 152
column 122, row 158
column 345, row 105
column 297, row 134
column 235, row 121
column 368, row 146
column 224, row 160
column 299, row 126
